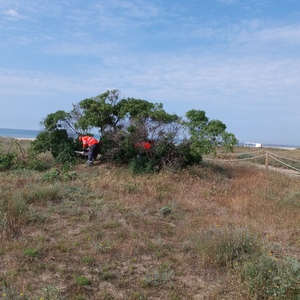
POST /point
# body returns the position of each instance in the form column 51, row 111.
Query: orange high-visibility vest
column 88, row 141
column 143, row 145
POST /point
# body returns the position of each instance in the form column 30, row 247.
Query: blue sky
column 238, row 60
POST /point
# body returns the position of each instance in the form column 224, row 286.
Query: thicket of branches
column 122, row 123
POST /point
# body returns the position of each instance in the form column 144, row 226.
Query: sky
column 238, row 60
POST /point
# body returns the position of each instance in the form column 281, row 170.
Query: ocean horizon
column 32, row 134
column 19, row 133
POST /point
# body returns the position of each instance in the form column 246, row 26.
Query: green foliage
column 56, row 175
column 36, row 164
column 11, row 294
column 140, row 165
column 269, row 278
column 264, row 276
column 7, row 161
column 13, row 206
column 187, row 155
column 11, row 161
column 43, row 194
column 206, row 135
column 57, row 137
column 226, row 247
column 31, row 252
column 58, row 142
column 82, row 280
column 122, row 123
column 19, row 158
column 54, row 121
column 13, row 212
column 104, row 246
column 51, row 292
column 161, row 276
column 51, row 175
column 100, row 111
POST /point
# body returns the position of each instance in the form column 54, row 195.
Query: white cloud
column 228, row 2
column 285, row 33
column 11, row 13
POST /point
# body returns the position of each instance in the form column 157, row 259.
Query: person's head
column 80, row 138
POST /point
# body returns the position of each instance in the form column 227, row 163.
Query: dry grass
column 106, row 234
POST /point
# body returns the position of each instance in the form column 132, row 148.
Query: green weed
column 291, row 199
column 225, row 246
column 43, row 194
column 104, row 246
column 13, row 213
column 31, row 252
column 82, row 280
column 59, row 175
column 11, row 294
column 269, row 278
column 51, row 292
column 161, row 276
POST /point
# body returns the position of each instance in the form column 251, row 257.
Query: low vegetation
column 209, row 231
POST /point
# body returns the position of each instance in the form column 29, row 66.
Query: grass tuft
column 226, row 246
column 270, row 278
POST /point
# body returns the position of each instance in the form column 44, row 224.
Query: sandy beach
column 24, row 139
column 17, row 138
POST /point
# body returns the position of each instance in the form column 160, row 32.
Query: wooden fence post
column 267, row 160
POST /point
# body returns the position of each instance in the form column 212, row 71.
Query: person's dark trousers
column 93, row 153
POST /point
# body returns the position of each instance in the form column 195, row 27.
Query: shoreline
column 24, row 139
column 279, row 147
column 17, row 138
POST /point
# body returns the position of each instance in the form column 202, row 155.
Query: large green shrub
column 58, row 142
column 7, row 161
column 122, row 123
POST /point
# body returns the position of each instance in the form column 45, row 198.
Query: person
column 93, row 146
column 144, row 145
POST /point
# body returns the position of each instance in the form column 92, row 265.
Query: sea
column 32, row 134
column 19, row 133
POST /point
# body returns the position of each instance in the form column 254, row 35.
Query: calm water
column 19, row 133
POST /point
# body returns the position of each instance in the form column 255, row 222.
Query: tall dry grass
column 214, row 231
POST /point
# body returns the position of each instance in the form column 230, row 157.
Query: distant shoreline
column 20, row 134
column 283, row 147
column 17, row 138
column 24, row 139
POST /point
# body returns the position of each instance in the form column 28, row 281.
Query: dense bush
column 7, row 161
column 58, row 142
column 124, row 123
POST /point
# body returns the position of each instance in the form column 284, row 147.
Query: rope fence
column 234, row 160
column 283, row 157
column 266, row 155
column 284, row 163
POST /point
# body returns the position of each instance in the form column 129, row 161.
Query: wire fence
column 267, row 155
